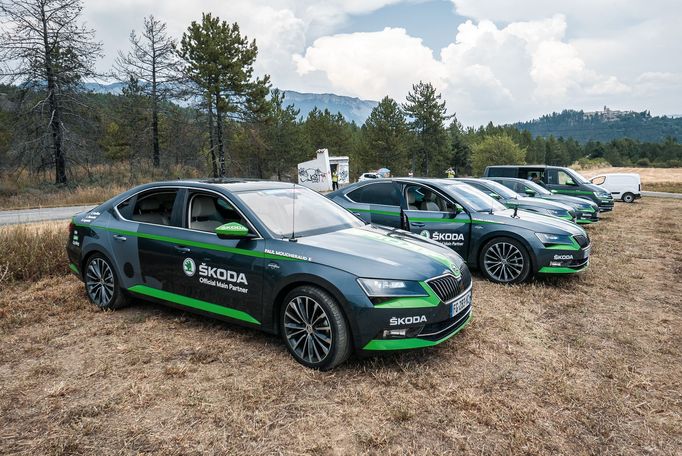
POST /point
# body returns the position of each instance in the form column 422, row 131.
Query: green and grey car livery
column 508, row 246
column 586, row 211
column 276, row 257
column 513, row 200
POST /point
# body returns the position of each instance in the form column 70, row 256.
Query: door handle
column 181, row 249
column 120, row 238
column 417, row 224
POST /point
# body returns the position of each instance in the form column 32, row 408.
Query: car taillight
column 72, row 226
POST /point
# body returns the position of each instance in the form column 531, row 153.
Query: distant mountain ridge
column 605, row 126
column 352, row 109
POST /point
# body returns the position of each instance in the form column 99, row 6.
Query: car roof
column 230, row 184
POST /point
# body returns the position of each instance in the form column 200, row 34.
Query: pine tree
column 218, row 62
column 386, row 138
column 153, row 62
column 428, row 116
column 461, row 151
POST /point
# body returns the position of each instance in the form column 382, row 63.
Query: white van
column 624, row 186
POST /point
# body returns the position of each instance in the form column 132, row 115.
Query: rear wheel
column 628, row 197
column 314, row 328
column 504, row 260
column 101, row 283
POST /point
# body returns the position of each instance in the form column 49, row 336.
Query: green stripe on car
column 560, row 270
column 194, row 303
column 187, row 242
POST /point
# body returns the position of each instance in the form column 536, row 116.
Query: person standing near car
column 335, row 181
column 450, row 173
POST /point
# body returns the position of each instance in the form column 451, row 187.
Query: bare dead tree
column 44, row 47
column 152, row 61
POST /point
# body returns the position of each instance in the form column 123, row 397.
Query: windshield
column 501, row 190
column 577, row 177
column 475, row 199
column 537, row 188
column 313, row 213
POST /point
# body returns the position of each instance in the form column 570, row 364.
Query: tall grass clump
column 31, row 252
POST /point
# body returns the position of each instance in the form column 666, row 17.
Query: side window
column 207, row 212
column 565, row 178
column 424, row 199
column 154, row 207
column 501, row 172
column 480, row 187
column 552, row 177
column 385, row 193
column 599, row 180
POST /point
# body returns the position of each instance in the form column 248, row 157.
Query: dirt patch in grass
column 576, row 365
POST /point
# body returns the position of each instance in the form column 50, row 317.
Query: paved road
column 37, row 215
column 663, row 194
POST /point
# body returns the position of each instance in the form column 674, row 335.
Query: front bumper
column 433, row 325
column 605, row 204
column 563, row 261
column 586, row 217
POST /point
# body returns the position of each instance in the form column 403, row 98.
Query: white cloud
column 511, row 60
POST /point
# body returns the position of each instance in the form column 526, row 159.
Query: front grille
column 583, row 241
column 446, row 287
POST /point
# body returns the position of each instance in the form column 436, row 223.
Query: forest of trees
column 193, row 103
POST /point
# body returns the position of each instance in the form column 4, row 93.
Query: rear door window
column 384, row 193
column 154, row 207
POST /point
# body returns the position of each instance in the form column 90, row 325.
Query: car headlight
column 388, row 288
column 603, row 195
column 549, row 239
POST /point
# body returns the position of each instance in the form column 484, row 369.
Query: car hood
column 534, row 222
column 379, row 252
column 596, row 188
column 572, row 200
column 539, row 203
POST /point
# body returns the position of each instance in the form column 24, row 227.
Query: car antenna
column 293, row 215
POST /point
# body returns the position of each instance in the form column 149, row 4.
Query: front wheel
column 628, row 198
column 504, row 260
column 101, row 283
column 314, row 328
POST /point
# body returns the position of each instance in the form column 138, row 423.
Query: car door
column 222, row 272
column 434, row 216
column 378, row 203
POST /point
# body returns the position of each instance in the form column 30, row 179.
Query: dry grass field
column 653, row 179
column 577, row 366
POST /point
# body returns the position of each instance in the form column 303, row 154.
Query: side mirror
column 233, row 230
column 530, row 192
column 494, row 195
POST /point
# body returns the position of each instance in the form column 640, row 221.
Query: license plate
column 460, row 304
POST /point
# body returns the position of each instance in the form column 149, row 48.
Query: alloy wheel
column 504, row 262
column 307, row 329
column 99, row 281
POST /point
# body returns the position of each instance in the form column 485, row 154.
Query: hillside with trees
column 604, row 126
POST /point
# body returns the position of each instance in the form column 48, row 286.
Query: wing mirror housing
column 530, row 192
column 233, row 230
column 494, row 195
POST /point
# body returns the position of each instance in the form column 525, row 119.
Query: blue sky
column 492, row 60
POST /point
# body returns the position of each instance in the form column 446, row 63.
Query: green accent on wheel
column 194, row 303
column 413, row 342
column 374, row 211
column 432, row 300
column 187, row 242
column 573, row 246
column 559, row 270
column 74, row 268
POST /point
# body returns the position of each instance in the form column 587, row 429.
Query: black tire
column 306, row 313
column 628, row 197
column 516, row 268
column 101, row 283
